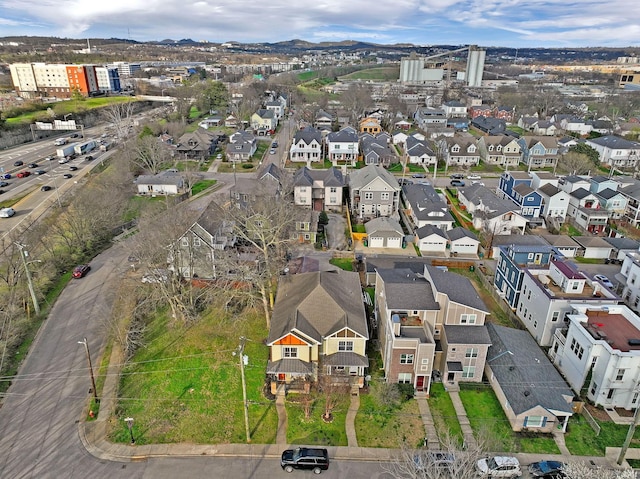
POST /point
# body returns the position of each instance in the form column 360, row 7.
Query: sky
column 507, row 23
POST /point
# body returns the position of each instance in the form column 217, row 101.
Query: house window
column 530, row 256
column 468, row 371
column 424, row 365
column 406, row 359
column 404, row 378
column 368, row 195
column 593, row 389
column 289, row 352
column 610, row 393
column 534, row 421
column 468, row 318
column 196, row 241
column 333, row 189
column 471, row 353
column 576, row 348
column 384, row 196
column 185, row 242
column 555, row 316
column 619, row 374
column 345, row 345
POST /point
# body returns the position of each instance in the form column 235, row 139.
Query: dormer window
column 455, row 148
column 490, row 148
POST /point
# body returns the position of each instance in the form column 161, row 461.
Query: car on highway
column 604, row 280
column 315, row 459
column 67, row 175
column 88, row 158
column 1, row 192
column 499, row 466
column 547, row 469
column 39, row 172
column 477, row 183
column 45, row 188
column 33, row 165
column 18, row 163
column 272, row 151
column 73, row 168
column 474, row 177
column 75, row 135
column 23, row 174
column 7, row 212
column 6, row 176
column 3, row 184
column 80, row 270
column 50, row 158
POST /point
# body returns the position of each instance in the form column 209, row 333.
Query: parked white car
column 474, row 177
column 499, row 466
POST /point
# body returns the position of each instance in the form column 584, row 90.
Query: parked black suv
column 315, row 459
column 457, row 176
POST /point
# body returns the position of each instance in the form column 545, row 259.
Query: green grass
column 359, row 229
column 568, row 229
column 202, row 185
column 184, row 385
column 444, row 414
column 516, row 129
column 376, row 73
column 413, row 168
column 314, row 430
column 582, row 441
column 342, row 263
column 306, row 76
column 371, row 292
column 325, row 165
column 65, row 107
column 582, row 259
column 536, row 444
column 380, row 426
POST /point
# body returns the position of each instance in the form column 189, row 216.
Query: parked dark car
column 418, row 175
column 89, row 158
column 547, row 469
column 457, row 183
column 81, row 270
column 73, row 168
column 314, row 459
column 457, row 176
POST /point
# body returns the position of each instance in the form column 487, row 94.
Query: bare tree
column 120, row 115
column 333, row 393
column 583, row 470
column 357, row 99
column 575, row 163
column 150, row 154
column 385, row 394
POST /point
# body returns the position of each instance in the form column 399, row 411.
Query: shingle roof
column 405, row 289
column 614, row 142
column 549, row 190
column 428, row 230
column 560, row 241
column 623, row 243
column 457, row 334
column 591, row 242
column 358, row 179
column 306, row 176
column 318, row 304
column 607, row 193
column 307, row 135
column 494, row 206
column 460, row 232
column 384, row 224
column 458, row 288
column 424, row 201
column 580, row 193
column 525, row 375
column 523, row 189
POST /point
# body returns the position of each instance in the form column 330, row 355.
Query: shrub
column 247, row 166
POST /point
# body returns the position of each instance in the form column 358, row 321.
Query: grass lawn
column 380, row 426
column 342, row 263
column 582, row 441
column 240, row 168
column 325, row 165
column 201, row 186
column 570, row 230
column 377, row 73
column 444, row 414
column 314, row 430
column 413, row 168
column 184, row 385
column 359, row 229
column 582, row 259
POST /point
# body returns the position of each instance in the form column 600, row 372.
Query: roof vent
column 527, row 393
column 633, row 342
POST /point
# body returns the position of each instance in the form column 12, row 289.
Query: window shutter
column 526, row 418
column 544, row 421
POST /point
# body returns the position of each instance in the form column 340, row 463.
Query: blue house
column 516, row 186
column 512, row 262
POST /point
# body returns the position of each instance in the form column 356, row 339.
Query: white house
column 594, row 246
column 306, row 146
column 616, row 151
column 547, row 294
column 431, row 240
column 497, row 216
column 629, row 278
column 420, row 152
column 384, row 232
column 425, row 206
column 600, row 344
column 462, row 242
column 343, row 146
column 555, row 202
column 168, row 182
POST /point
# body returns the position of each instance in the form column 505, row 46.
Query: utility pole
column 244, row 386
column 93, row 380
column 34, row 298
column 630, row 433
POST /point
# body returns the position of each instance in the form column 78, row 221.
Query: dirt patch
column 624, row 412
column 598, row 413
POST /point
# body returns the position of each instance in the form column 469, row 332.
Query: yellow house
column 370, row 125
column 318, row 327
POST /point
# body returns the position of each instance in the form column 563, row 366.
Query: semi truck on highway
column 66, row 150
column 85, row 147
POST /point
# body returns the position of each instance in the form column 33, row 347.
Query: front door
column 420, row 383
column 451, row 377
column 281, row 377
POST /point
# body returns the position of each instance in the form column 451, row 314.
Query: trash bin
column 364, row 242
column 472, row 268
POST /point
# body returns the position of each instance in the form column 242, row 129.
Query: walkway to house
column 350, row 422
column 431, row 437
column 281, row 436
column 467, row 432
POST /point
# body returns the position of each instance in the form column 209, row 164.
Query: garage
column 384, row 232
column 463, row 242
column 432, row 240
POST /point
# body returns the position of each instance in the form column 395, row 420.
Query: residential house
column 454, row 109
column 505, row 113
column 593, row 247
column 514, row 364
column 318, row 328
column 629, row 278
column 547, row 295
column 489, row 125
column 241, row 147
column 420, row 151
column 431, row 241
column 564, row 245
column 600, row 346
column 210, row 122
column 613, row 201
column 490, row 213
column 424, row 206
column 603, row 126
column 166, row 183
column 306, row 146
column 384, row 232
column 539, row 151
column 600, row 183
column 544, row 128
column 555, row 202
column 576, row 125
column 343, row 147
column 318, row 189
column 480, row 110
column 198, row 252
column 512, row 262
column 415, row 312
column 370, row 125
column 373, row 192
column 324, row 120
column 462, row 242
column 541, row 178
column 460, row 150
column 621, row 246
column 631, row 192
column 306, row 227
column 199, row 144
column 457, row 124
column 616, row 151
column 500, row 150
column 571, row 183
column 514, row 240
column 584, row 208
column 231, row 121
column 375, row 150
column 527, row 122
column 516, row 186
column 277, row 108
column 427, row 117
column 264, row 122
column 247, row 190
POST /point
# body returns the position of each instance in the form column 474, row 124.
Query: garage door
column 376, row 242
column 464, row 248
column 394, row 242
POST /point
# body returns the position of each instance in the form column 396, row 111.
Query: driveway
column 336, row 232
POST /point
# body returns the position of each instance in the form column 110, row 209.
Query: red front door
column 420, row 383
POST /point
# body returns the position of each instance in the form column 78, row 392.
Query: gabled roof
column 525, row 375
column 306, row 176
column 405, row 289
column 493, row 206
column 346, row 135
column 163, row 178
column 459, row 233
column 614, row 142
column 607, row 193
column 425, row 201
column 549, row 190
column 581, row 193
column 591, row 242
column 384, row 226
column 465, row 334
column 575, row 179
column 318, row 304
column 358, row 179
column 458, row 288
column 600, row 179
column 428, row 230
column 266, row 114
column 308, row 135
column 623, row 243
column 560, row 241
column 523, row 189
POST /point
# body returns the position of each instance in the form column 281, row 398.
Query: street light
column 93, row 380
column 23, row 254
column 129, row 421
